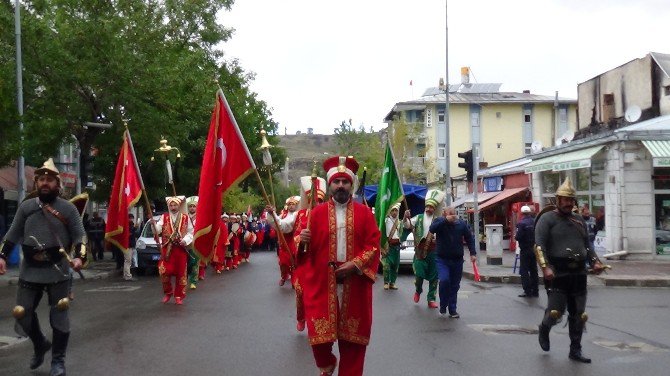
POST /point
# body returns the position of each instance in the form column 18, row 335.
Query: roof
column 663, row 61
column 9, row 177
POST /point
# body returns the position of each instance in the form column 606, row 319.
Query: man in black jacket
column 525, row 235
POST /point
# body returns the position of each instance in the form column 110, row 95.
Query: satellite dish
column 633, row 113
column 536, row 147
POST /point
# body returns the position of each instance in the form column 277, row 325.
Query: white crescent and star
column 222, row 147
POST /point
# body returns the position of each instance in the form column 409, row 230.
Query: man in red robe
column 301, row 222
column 286, row 224
column 222, row 242
column 341, row 265
column 176, row 234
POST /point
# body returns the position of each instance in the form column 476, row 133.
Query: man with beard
column 424, row 244
column 342, row 256
column 285, row 224
column 176, row 233
column 562, row 250
column 47, row 227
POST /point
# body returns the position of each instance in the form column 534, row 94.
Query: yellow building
column 506, row 125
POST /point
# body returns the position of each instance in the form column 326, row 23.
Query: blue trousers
column 449, row 273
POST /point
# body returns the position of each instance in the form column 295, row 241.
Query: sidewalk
column 651, row 273
column 94, row 270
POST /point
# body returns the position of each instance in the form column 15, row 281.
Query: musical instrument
column 249, row 238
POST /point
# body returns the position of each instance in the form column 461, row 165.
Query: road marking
column 503, row 329
column 635, row 346
column 114, row 288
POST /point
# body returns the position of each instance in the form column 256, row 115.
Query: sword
column 40, row 247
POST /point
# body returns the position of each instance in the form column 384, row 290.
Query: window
column 421, row 150
column 608, row 99
column 526, row 117
column 526, row 148
column 440, row 116
column 441, row 151
column 666, row 90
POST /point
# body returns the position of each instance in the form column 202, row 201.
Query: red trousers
column 352, row 357
column 201, row 270
column 218, row 266
column 229, row 262
column 174, row 266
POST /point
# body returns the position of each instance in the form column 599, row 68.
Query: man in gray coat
column 47, row 227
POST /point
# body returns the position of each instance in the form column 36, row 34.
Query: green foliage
column 153, row 63
column 237, row 201
column 366, row 147
column 404, row 137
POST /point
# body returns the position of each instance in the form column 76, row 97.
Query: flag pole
column 147, row 204
column 402, row 189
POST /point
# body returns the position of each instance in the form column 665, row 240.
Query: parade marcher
column 193, row 259
column 222, row 243
column 97, row 236
column 249, row 238
column 451, row 233
column 47, row 227
column 238, row 235
column 342, row 251
column 424, row 245
column 301, row 223
column 285, row 222
column 391, row 257
column 562, row 250
column 234, row 230
column 525, row 235
column 130, row 253
column 176, row 235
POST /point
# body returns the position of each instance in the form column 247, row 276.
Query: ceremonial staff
column 267, row 161
column 167, row 149
column 312, row 202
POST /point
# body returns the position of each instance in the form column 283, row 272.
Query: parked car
column 148, row 253
column 407, row 251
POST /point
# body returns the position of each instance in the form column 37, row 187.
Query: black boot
column 575, row 329
column 41, row 345
column 58, row 354
column 543, row 336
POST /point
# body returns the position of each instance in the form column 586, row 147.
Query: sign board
column 69, row 179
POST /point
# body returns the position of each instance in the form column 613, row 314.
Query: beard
column 341, row 196
column 47, row 195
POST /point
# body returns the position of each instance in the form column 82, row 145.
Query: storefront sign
column 661, row 162
column 493, row 184
column 572, row 165
column 69, row 179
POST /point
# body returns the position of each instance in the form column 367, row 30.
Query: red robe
column 352, row 319
column 175, row 263
column 221, row 245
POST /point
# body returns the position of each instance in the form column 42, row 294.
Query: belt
column 568, row 264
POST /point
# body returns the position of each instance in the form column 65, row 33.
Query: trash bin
column 494, row 244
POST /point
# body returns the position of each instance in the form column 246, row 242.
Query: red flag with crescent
column 226, row 162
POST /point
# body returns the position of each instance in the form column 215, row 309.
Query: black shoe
column 57, row 369
column 38, row 356
column 524, row 295
column 543, row 337
column 578, row 357
column 454, row 315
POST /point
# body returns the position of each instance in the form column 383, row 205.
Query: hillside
column 303, row 149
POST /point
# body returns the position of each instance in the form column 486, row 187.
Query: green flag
column 389, row 192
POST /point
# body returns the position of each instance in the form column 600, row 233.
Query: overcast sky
column 318, row 63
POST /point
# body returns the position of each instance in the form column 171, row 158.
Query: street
column 242, row 323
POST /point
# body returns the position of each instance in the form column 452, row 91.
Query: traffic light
column 467, row 163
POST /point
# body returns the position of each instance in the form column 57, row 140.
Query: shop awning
column 504, row 195
column 575, row 159
column 542, row 164
column 469, row 199
column 660, row 152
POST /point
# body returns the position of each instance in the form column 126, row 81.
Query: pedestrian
column 591, row 225
column 451, row 233
column 391, row 255
column 130, row 253
column 97, row 236
column 285, row 223
column 424, row 245
column 176, row 234
column 562, row 250
column 301, row 222
column 341, row 266
column 45, row 226
column 525, row 236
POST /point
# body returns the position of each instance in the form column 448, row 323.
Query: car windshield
column 147, row 232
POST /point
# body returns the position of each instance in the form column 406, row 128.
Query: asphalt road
column 242, row 323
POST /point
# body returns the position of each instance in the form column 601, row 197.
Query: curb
column 636, row 282
column 510, row 279
column 13, row 281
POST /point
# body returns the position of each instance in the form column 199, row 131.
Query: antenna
column 633, row 113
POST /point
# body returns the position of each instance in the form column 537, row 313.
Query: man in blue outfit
column 451, row 232
column 525, row 235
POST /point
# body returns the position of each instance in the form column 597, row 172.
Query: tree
column 366, row 147
column 404, row 137
column 105, row 61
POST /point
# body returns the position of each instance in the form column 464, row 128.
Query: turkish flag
column 226, row 162
column 126, row 191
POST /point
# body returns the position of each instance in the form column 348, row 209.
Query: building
column 619, row 160
column 506, row 125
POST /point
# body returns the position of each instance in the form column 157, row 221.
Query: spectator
column 97, row 236
column 129, row 255
column 590, row 225
column 525, row 235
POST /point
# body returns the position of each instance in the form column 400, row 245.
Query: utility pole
column 20, row 169
column 447, row 173
column 475, row 189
